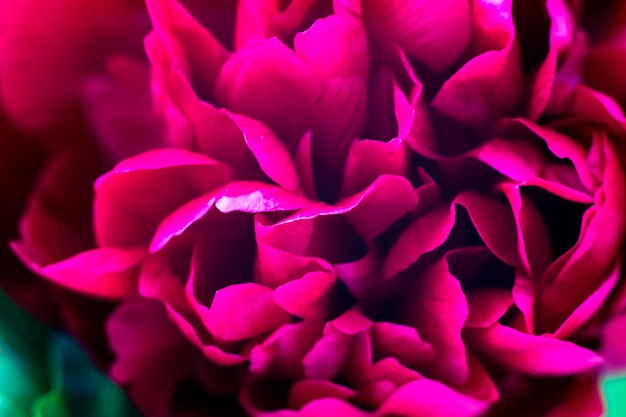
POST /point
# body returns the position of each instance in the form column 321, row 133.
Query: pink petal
column 533, row 355
column 426, row 233
column 433, row 34
column 438, row 309
column 298, row 296
column 360, row 275
column 152, row 357
column 489, row 85
column 120, row 108
column 270, row 152
column 371, row 211
column 591, row 306
column 282, row 352
column 352, row 322
column 188, row 44
column 244, row 311
column 568, row 283
column 430, row 398
column 479, row 384
column 331, row 406
column 48, row 54
column 104, row 272
column 370, row 159
column 390, row 369
column 533, row 240
column 400, row 342
column 487, row 307
column 159, row 280
column 57, row 222
column 613, row 345
column 275, row 267
column 325, row 77
column 325, row 359
column 139, row 192
column 247, row 197
column 194, row 331
column 305, row 391
column 494, row 223
column 303, row 159
column 583, row 399
column 524, row 162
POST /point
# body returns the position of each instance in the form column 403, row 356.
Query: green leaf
column 46, row 374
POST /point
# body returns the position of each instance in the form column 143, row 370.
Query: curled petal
column 243, row 311
column 423, row 235
column 139, row 192
column 103, row 272
column 432, row 398
column 533, row 355
column 247, row 197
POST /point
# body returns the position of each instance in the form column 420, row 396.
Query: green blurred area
column 613, row 388
column 46, row 374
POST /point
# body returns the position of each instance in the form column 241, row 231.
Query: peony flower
column 357, row 208
column 45, row 373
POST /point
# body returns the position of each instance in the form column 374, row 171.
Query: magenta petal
column 103, row 272
column 425, row 397
column 299, row 295
column 326, row 83
column 325, row 359
column 335, row 46
column 487, row 306
column 438, row 309
column 566, row 284
column 563, row 147
column 613, row 347
column 525, row 163
column 275, row 267
column 120, row 107
column 369, row 159
column 495, row 224
column 380, row 205
column 533, row 355
column 426, row 233
column 591, row 306
column 305, row 391
column 194, row 331
column 331, row 406
column 247, row 197
column 243, row 311
column 152, row 356
column 532, row 235
column 187, row 43
column 139, row 192
column 281, row 354
column 57, row 222
column 489, row 85
column 433, row 33
column 400, row 342
column 270, row 152
column 47, row 54
column 486, row 88
column 254, row 82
